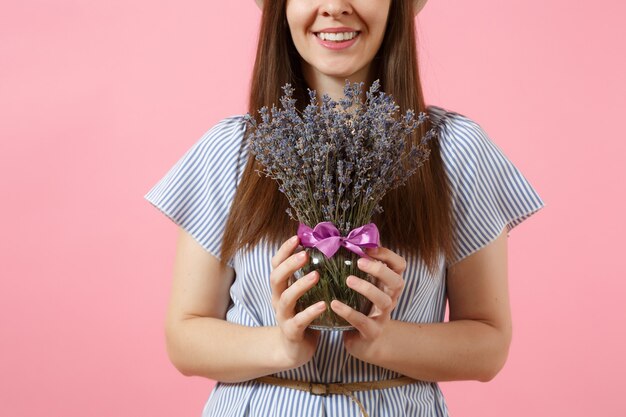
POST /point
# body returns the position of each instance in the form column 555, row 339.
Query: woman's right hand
column 297, row 344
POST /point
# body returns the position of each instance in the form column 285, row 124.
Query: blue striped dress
column 488, row 195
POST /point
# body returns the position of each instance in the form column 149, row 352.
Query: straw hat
column 417, row 4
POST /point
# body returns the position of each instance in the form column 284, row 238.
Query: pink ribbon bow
column 326, row 238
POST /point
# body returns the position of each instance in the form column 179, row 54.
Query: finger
column 287, row 301
column 387, row 276
column 380, row 299
column 395, row 262
column 285, row 251
column 297, row 325
column 361, row 322
column 280, row 275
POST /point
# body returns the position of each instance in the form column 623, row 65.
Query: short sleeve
column 197, row 192
column 488, row 192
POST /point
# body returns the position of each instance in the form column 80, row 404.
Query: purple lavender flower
column 334, row 161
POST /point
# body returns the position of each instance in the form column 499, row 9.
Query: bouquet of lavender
column 334, row 162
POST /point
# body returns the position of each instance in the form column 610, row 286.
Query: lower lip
column 337, row 45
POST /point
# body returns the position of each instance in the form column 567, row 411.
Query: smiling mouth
column 337, row 37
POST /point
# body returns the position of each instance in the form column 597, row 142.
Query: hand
column 297, row 343
column 387, row 267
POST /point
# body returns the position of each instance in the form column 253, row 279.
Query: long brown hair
column 416, row 217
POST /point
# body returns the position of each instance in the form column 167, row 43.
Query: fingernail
column 293, row 239
column 312, row 276
column 320, row 306
column 364, row 262
column 301, row 255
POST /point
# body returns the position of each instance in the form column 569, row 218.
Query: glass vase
column 332, row 286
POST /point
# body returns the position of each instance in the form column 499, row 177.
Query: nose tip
column 335, row 8
column 329, row 14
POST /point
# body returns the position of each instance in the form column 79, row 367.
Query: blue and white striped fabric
column 488, row 193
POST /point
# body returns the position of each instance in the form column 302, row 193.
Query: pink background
column 99, row 99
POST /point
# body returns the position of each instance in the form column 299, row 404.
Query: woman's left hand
column 387, row 267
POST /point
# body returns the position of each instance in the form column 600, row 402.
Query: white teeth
column 336, row 37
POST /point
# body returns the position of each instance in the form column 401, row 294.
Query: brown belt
column 337, row 388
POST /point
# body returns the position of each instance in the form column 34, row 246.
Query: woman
column 231, row 316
